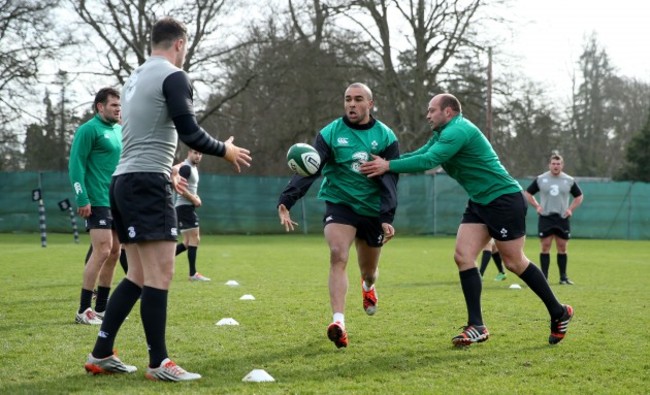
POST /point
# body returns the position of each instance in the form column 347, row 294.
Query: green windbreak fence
column 239, row 204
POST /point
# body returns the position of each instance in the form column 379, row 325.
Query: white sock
column 365, row 287
column 338, row 317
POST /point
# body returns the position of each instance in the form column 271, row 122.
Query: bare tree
column 304, row 69
column 629, row 114
column 636, row 166
column 437, row 30
column 298, row 87
column 592, row 125
column 28, row 36
column 533, row 131
column 123, row 29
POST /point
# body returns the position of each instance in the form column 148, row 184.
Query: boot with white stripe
column 169, row 371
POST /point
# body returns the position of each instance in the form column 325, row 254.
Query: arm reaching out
column 236, row 155
column 376, row 167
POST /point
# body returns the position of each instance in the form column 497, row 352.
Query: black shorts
column 554, row 224
column 143, row 208
column 505, row 216
column 100, row 218
column 187, row 218
column 368, row 228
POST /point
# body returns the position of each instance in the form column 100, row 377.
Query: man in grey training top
column 157, row 109
column 186, row 205
column 555, row 188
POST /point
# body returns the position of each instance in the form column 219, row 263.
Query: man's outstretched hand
column 376, row 167
column 285, row 218
column 238, row 156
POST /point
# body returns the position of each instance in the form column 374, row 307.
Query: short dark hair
column 166, row 30
column 449, row 100
column 556, row 156
column 103, row 95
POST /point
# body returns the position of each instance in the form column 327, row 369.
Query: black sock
column 85, row 300
column 180, row 247
column 153, row 310
column 545, row 261
column 102, row 298
column 122, row 301
column 485, row 260
column 561, row 264
column 88, row 254
column 123, row 262
column 470, row 281
column 497, row 261
column 191, row 258
column 534, row 278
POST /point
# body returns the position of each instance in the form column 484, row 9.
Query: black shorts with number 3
column 143, row 208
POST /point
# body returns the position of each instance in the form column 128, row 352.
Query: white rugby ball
column 303, row 159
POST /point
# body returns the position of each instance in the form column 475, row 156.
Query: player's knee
column 338, row 260
column 103, row 252
column 463, row 260
column 115, row 252
column 516, row 264
column 509, row 266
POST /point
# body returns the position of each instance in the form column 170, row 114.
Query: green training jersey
column 467, row 156
column 349, row 148
column 343, row 146
column 95, row 152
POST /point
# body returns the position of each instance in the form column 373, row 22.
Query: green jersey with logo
column 467, row 156
column 94, row 154
column 342, row 181
column 343, row 146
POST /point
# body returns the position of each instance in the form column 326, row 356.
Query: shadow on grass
column 291, row 364
column 423, row 284
column 48, row 285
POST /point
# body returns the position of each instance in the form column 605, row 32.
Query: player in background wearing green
column 490, row 252
column 186, row 205
column 555, row 188
column 94, row 154
column 358, row 210
column 496, row 209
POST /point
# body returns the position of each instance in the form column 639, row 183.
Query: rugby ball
column 303, row 159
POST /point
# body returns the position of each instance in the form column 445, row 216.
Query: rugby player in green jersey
column 358, row 210
column 496, row 209
column 94, row 154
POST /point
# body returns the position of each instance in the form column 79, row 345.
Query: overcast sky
column 552, row 42
column 548, row 36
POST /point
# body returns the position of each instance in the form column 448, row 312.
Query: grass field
column 404, row 349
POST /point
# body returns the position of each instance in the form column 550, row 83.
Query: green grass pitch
column 404, row 349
